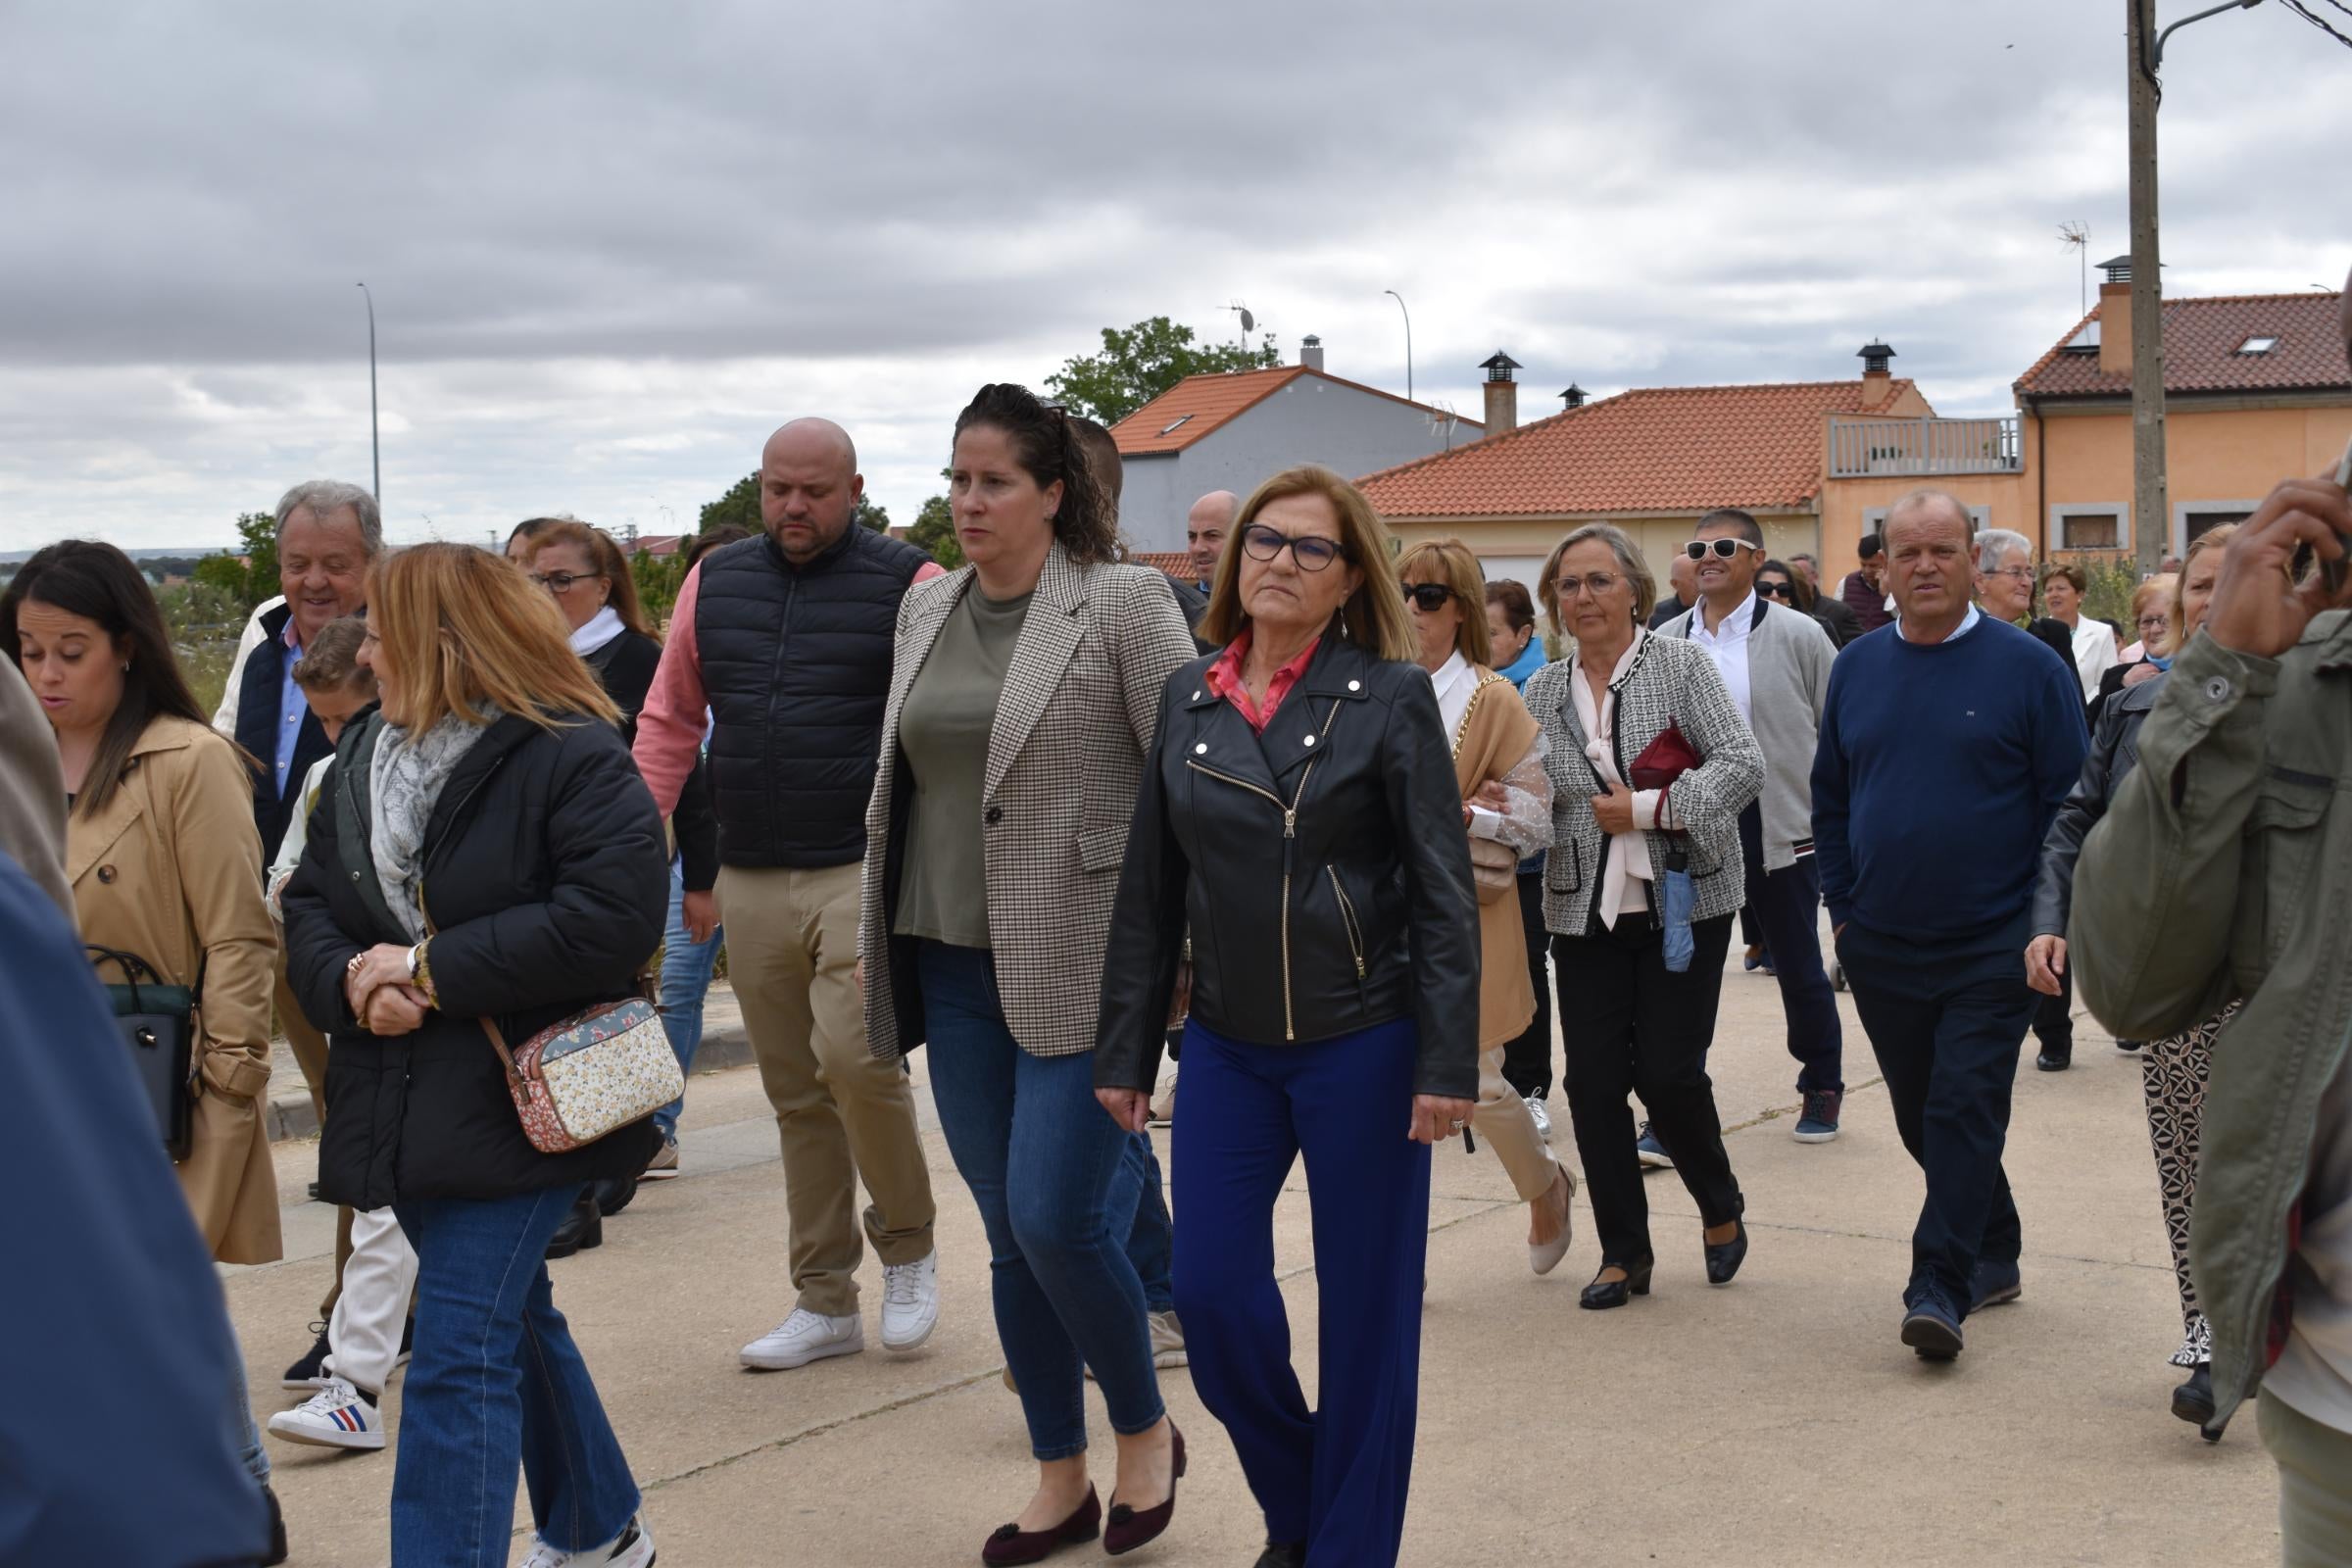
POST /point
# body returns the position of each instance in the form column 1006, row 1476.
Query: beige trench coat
column 170, row 869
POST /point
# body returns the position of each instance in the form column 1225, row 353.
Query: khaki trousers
column 2315, row 1486
column 1502, row 1120
column 842, row 1115
column 310, row 1055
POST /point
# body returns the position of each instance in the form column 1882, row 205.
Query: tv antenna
column 2077, row 235
column 1441, row 420
column 1249, row 322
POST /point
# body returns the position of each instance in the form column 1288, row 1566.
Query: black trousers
column 1527, row 1060
column 2054, row 1016
column 1945, row 1022
column 1787, row 908
column 1637, row 1028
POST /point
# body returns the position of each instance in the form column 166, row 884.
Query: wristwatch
column 413, row 952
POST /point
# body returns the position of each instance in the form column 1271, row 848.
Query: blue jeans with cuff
column 686, row 969
column 1057, row 1184
column 496, row 1382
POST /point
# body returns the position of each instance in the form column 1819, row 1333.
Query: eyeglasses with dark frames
column 1312, row 552
column 559, row 582
column 1430, row 597
column 1777, row 590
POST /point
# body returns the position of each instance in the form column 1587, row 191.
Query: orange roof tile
column 1199, row 404
column 2201, row 341
column 1655, row 449
column 1175, row 563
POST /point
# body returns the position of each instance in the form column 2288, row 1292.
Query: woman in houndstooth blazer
column 1023, row 693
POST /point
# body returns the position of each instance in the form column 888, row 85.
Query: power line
column 2319, row 22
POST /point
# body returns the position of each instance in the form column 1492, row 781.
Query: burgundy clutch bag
column 1664, row 760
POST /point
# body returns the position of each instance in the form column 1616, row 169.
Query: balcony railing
column 1861, row 449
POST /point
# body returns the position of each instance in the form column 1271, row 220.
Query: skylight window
column 1170, row 428
column 2259, row 343
column 2085, row 341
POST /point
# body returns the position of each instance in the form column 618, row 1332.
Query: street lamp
column 375, row 444
column 2151, row 517
column 1408, row 342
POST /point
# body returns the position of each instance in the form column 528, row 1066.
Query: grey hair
column 1629, row 557
column 1994, row 543
column 324, row 496
column 1912, row 500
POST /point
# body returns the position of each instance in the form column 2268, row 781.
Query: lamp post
column 2151, row 517
column 375, row 444
column 1408, row 342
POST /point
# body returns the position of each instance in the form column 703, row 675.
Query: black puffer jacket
column 2114, row 753
column 547, row 880
column 1322, row 869
column 627, row 665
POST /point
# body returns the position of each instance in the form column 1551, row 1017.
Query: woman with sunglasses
column 1298, row 814
column 1638, row 1027
column 1506, row 814
column 1774, row 581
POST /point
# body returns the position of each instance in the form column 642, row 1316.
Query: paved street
column 1776, row 1421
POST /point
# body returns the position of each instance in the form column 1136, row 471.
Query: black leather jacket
column 1322, row 869
column 2114, row 752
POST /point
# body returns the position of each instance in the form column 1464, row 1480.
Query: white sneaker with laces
column 634, row 1547
column 909, row 1302
column 335, row 1417
column 802, row 1337
column 1167, row 1341
column 1541, row 1113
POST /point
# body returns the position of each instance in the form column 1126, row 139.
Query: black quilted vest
column 795, row 662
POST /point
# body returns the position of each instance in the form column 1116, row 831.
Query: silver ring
column 1460, row 1124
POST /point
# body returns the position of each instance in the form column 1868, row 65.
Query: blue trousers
column 1055, row 1180
column 495, row 1382
column 686, row 969
column 1152, row 1239
column 1945, row 1022
column 1786, row 909
column 1335, row 1478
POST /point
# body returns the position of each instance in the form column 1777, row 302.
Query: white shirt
column 2314, row 1372
column 1727, row 645
column 1455, row 680
column 2094, row 651
column 596, row 631
column 1966, row 624
column 1628, row 856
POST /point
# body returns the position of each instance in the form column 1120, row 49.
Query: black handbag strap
column 131, row 965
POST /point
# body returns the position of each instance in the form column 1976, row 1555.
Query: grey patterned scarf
column 404, row 784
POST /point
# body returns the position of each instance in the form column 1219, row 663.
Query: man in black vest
column 785, row 641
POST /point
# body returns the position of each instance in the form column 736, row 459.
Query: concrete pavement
column 1776, row 1421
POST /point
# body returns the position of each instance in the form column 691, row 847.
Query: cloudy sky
column 612, row 244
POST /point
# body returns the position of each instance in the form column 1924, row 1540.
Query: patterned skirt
column 2172, row 1072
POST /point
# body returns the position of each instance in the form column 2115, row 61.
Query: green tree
column 658, row 580
column 251, row 579
column 935, row 531
column 870, row 515
column 1144, row 361
column 740, row 505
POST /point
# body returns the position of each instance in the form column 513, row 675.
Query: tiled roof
column 1175, row 563
column 2201, row 341
column 1658, row 449
column 1199, row 404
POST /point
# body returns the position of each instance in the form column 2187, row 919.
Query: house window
column 2093, row 526
column 2193, row 517
column 2259, row 343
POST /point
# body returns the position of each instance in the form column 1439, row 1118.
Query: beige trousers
column 1503, row 1121
column 842, row 1115
column 310, row 1055
column 2315, row 1486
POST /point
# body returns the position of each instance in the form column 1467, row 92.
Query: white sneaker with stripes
column 337, row 1416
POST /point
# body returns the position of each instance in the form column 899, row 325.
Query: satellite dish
column 1249, row 322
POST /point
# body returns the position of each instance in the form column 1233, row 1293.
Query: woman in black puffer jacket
column 483, row 849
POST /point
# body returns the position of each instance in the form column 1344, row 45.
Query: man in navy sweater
column 1946, row 748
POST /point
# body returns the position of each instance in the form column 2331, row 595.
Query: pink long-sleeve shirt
column 670, row 729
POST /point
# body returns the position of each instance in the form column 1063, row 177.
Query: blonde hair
column 1628, row 560
column 605, row 556
column 1374, row 614
column 2162, row 592
column 2210, row 539
column 466, row 633
column 1450, row 563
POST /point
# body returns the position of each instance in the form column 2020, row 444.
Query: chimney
column 1878, row 382
column 1574, row 397
column 1502, row 394
column 2115, row 316
column 1311, row 352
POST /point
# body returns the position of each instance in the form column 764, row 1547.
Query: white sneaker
column 335, row 1417
column 1167, row 1341
column 802, row 1337
column 1163, row 1106
column 909, row 1302
column 1541, row 1113
column 632, row 1548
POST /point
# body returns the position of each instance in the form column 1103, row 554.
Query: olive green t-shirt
column 943, row 729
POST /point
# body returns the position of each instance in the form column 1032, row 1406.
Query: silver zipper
column 1355, row 943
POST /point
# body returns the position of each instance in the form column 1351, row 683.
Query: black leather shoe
column 277, row 1529
column 2056, row 1059
column 612, row 1194
column 582, row 1228
column 1601, row 1294
column 2192, row 1401
column 1724, row 1257
column 1283, row 1554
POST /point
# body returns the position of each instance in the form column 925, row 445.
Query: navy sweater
column 1939, row 768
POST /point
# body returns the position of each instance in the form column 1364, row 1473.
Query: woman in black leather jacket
column 1299, row 816
column 2172, row 1070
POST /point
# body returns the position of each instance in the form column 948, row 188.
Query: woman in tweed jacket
column 1637, row 1026
column 1023, row 695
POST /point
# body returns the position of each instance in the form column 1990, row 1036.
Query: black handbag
column 158, row 1021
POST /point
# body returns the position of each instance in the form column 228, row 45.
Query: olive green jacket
column 2224, row 871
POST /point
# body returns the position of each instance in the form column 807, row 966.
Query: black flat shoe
column 2056, row 1058
column 1601, row 1294
column 1013, row 1544
column 1129, row 1528
column 1283, row 1554
column 582, row 1228
column 2192, row 1401
column 1724, row 1257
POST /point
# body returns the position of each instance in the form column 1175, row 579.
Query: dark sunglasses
column 1777, row 590
column 1429, row 596
column 1724, row 549
column 1312, row 552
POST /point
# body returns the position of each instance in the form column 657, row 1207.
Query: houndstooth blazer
column 1064, row 759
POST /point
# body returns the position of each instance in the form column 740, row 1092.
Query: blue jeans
column 686, row 966
column 1151, row 1241
column 1055, row 1179
column 497, row 1381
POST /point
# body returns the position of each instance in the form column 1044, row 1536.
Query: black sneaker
column 309, row 1374
column 1995, row 1285
column 1931, row 1329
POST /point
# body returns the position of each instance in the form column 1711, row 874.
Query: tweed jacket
column 1065, row 757
column 1672, row 681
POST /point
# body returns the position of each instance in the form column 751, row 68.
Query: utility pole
column 2151, row 517
column 1409, row 343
